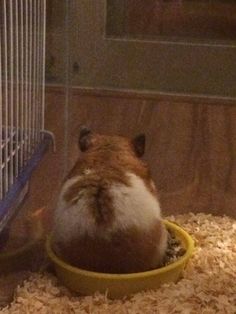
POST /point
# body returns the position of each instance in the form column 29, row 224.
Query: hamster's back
column 108, row 217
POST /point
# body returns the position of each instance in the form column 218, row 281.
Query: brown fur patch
column 126, row 251
column 95, row 189
column 102, row 205
column 112, row 157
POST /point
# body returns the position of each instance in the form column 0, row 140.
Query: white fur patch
column 88, row 171
column 61, row 204
column 71, row 220
column 134, row 205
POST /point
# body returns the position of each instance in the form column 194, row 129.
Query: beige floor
column 208, row 283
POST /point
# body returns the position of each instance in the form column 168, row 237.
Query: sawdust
column 208, row 284
column 174, row 249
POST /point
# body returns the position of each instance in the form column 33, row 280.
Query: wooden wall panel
column 191, row 148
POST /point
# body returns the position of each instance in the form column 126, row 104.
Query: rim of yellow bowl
column 92, row 274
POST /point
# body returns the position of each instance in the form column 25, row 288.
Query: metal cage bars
column 22, row 67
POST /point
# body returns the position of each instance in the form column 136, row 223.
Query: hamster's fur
column 108, row 217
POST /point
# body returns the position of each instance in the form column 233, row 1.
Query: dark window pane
column 150, row 19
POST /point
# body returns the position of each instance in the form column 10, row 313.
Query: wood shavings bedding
column 208, row 285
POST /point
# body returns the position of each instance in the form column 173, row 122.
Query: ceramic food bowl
column 118, row 285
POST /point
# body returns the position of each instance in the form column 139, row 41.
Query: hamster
column 108, row 217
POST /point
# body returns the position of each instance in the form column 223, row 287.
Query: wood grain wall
column 191, row 147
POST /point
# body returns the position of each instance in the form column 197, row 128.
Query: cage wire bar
column 22, row 87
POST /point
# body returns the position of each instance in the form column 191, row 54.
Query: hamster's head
column 112, row 156
column 110, row 144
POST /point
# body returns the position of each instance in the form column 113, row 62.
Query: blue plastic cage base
column 10, row 203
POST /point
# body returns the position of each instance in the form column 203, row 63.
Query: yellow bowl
column 119, row 285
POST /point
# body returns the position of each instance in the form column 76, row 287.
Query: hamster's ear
column 84, row 139
column 139, row 144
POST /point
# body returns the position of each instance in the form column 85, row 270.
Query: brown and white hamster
column 108, row 217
